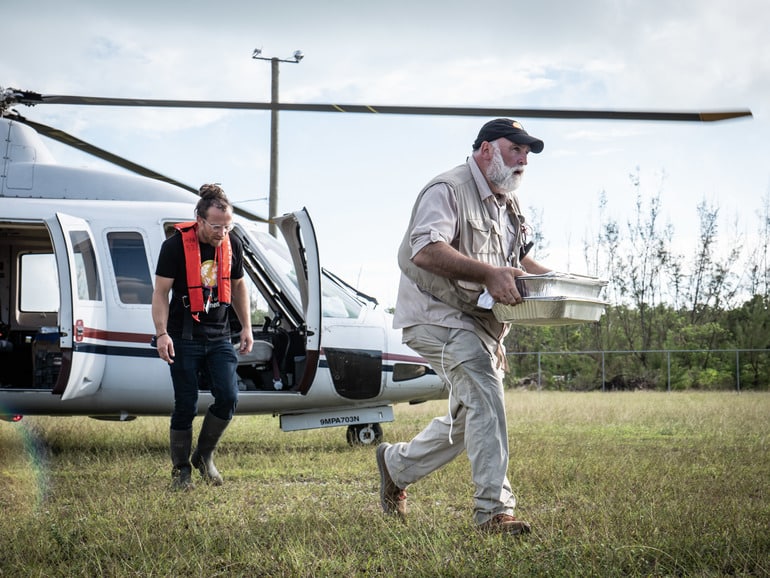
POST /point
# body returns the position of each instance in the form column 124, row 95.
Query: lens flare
column 25, row 457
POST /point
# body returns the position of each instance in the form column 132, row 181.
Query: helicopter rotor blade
column 11, row 96
column 32, row 98
column 249, row 215
column 70, row 140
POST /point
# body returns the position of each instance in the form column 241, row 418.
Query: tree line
column 704, row 305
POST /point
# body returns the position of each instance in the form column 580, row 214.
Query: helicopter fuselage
column 77, row 255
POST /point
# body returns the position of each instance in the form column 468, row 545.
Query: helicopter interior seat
column 261, row 352
column 267, row 364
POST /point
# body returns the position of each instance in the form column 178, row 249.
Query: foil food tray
column 557, row 310
column 559, row 284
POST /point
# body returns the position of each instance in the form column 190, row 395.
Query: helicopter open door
column 297, row 229
column 82, row 309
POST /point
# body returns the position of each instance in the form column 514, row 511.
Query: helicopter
column 77, row 251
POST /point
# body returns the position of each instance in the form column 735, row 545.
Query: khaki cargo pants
column 475, row 421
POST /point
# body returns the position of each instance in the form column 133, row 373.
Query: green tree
column 712, row 282
column 757, row 267
column 640, row 273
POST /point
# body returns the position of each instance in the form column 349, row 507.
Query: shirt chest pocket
column 485, row 236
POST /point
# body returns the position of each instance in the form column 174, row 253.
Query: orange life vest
column 223, row 257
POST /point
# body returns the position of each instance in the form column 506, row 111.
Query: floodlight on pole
column 273, row 194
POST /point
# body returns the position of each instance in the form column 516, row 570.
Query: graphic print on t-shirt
column 209, row 274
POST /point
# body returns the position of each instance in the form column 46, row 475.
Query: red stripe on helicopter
column 121, row 336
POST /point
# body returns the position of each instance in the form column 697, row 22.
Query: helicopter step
column 355, row 419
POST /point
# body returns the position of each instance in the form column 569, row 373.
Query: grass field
column 631, row 484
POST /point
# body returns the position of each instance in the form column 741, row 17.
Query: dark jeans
column 216, row 362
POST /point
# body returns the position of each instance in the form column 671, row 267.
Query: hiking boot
column 392, row 498
column 505, row 524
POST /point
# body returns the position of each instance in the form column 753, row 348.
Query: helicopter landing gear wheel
column 364, row 435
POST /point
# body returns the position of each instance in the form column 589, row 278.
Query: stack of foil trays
column 554, row 299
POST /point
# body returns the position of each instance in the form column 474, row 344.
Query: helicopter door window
column 130, row 265
column 85, row 267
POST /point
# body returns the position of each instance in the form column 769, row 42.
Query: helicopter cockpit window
column 277, row 254
column 86, row 270
column 132, row 272
column 337, row 302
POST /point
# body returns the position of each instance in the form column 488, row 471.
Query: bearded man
column 466, row 234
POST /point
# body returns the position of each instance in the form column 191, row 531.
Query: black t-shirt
column 171, row 264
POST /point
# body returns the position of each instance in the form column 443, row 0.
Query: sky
column 358, row 175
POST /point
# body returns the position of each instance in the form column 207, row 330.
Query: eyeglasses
column 218, row 228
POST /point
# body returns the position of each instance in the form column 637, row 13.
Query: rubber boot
column 181, row 474
column 203, row 456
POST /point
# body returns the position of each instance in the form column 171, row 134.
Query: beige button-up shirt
column 436, row 219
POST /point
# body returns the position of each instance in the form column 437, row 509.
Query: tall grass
column 634, row 484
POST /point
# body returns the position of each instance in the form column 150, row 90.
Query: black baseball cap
column 510, row 129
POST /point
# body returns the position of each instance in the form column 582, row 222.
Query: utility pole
column 273, row 194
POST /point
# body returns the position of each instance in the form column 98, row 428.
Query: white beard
column 506, row 178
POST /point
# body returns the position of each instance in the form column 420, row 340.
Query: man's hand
column 247, row 341
column 501, row 285
column 165, row 346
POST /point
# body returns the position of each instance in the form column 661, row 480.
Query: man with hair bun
column 201, row 265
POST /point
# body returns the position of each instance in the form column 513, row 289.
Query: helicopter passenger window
column 86, row 271
column 39, row 284
column 132, row 272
